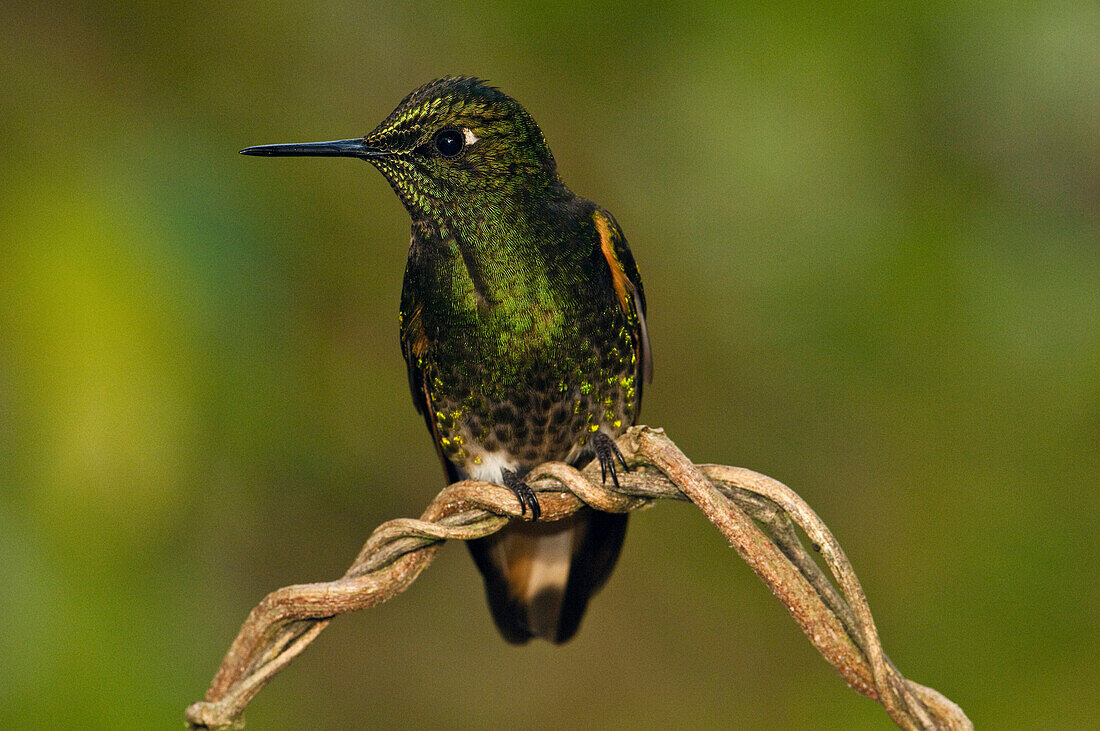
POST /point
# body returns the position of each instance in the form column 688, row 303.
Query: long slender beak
column 337, row 148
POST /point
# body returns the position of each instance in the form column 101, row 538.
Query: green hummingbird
column 522, row 326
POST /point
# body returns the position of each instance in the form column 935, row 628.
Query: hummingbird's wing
column 414, row 342
column 628, row 287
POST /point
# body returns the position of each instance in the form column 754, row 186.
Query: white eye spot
column 468, row 133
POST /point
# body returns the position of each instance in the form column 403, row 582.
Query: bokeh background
column 870, row 237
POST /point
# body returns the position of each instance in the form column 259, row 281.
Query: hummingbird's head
column 453, row 143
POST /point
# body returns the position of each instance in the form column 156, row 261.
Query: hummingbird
column 523, row 327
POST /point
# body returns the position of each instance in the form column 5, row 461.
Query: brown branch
column 755, row 513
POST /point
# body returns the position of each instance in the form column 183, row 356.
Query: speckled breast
column 493, row 413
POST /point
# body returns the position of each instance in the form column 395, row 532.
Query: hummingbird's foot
column 607, row 451
column 523, row 493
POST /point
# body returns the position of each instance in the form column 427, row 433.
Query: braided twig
column 756, row 513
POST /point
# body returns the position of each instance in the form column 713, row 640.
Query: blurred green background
column 870, row 237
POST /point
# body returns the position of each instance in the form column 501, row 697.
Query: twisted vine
column 754, row 512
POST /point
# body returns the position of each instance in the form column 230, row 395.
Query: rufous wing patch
column 622, row 284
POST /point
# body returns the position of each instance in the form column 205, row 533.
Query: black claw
column 607, row 451
column 523, row 493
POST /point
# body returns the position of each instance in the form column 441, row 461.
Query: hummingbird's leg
column 607, row 451
column 524, row 494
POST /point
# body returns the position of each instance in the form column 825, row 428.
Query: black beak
column 336, row 148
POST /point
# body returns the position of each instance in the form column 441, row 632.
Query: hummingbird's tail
column 540, row 576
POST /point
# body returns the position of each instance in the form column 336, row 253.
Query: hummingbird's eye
column 449, row 142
